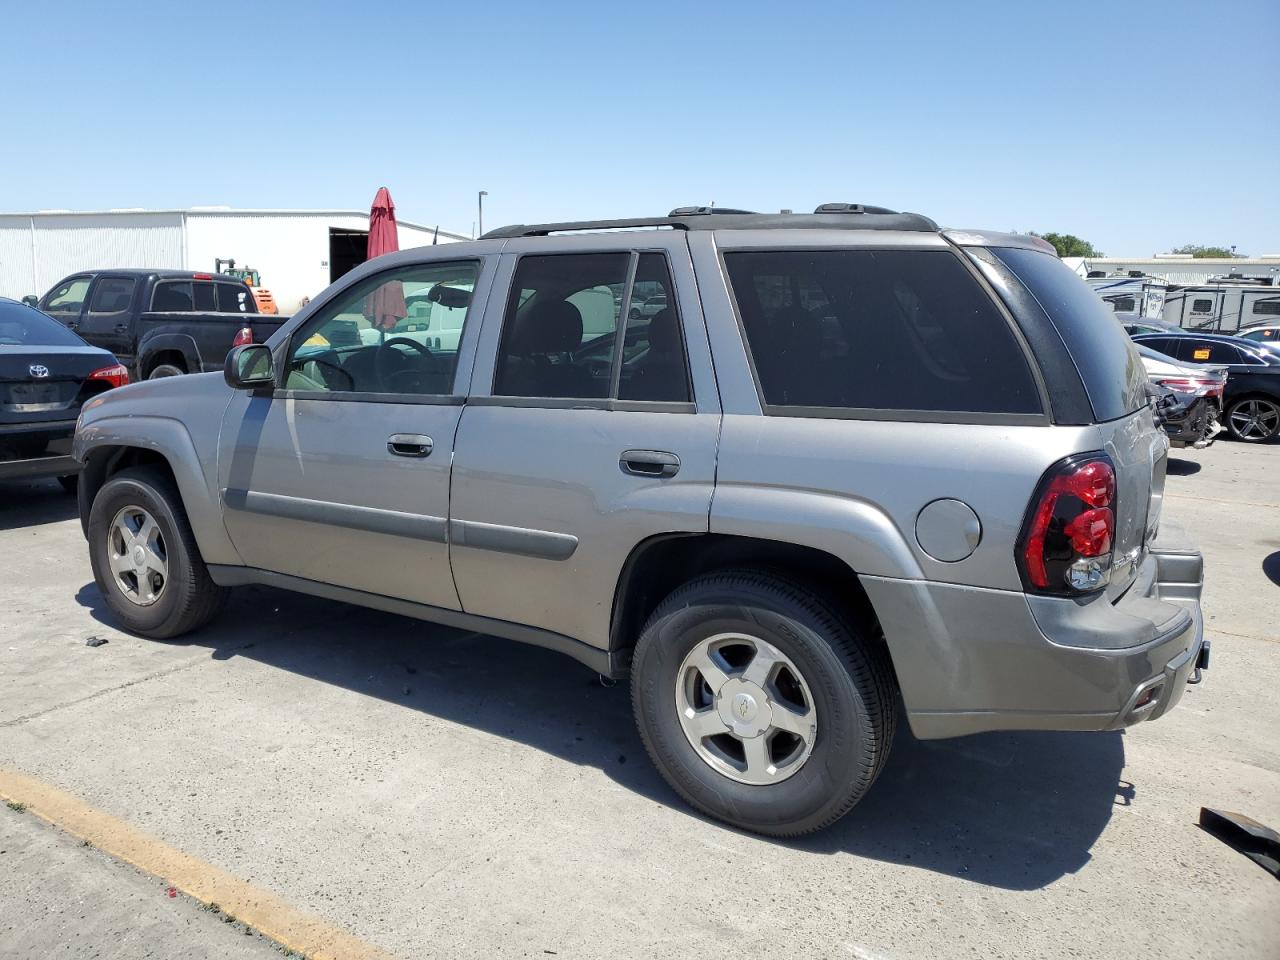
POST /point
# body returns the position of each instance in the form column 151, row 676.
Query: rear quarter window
column 1109, row 365
column 897, row 331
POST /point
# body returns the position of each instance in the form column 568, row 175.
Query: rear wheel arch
column 161, row 358
column 659, row 565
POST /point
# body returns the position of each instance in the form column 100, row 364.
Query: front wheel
column 759, row 705
column 144, row 557
column 1254, row 419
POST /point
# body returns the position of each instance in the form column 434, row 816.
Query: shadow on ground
column 30, row 503
column 1014, row 811
column 1181, row 468
column 1271, row 567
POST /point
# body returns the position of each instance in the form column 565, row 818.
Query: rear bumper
column 53, row 460
column 970, row 660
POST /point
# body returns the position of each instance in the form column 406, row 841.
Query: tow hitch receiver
column 1202, row 663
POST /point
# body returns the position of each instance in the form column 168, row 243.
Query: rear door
column 108, row 321
column 583, row 435
column 341, row 475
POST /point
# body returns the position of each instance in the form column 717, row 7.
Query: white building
column 297, row 252
column 1181, row 269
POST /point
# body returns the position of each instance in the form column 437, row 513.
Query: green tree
column 1202, row 252
column 1069, row 245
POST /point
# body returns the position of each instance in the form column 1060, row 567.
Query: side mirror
column 31, row 300
column 249, row 367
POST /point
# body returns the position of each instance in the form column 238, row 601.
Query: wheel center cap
column 139, row 557
column 744, row 708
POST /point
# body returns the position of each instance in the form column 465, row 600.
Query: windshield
column 23, row 326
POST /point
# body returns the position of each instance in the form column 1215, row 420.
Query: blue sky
column 1139, row 126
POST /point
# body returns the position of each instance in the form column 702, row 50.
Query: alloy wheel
column 746, row 709
column 138, row 556
column 1255, row 419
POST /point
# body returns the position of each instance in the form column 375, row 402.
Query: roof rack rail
column 826, row 217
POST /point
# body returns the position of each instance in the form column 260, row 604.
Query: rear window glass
column 234, row 298
column 23, row 326
column 204, row 297
column 878, row 330
column 1103, row 353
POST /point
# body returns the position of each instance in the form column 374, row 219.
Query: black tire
column 1254, row 419
column 70, row 483
column 189, row 598
column 165, row 370
column 846, row 667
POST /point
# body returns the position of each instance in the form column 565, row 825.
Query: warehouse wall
column 65, row 243
column 291, row 251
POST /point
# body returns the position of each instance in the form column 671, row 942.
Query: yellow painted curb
column 313, row 937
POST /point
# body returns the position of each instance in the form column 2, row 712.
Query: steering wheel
column 382, row 360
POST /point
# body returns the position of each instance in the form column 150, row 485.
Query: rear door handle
column 409, row 445
column 649, row 463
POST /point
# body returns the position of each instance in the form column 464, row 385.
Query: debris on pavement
column 95, row 641
column 1259, row 843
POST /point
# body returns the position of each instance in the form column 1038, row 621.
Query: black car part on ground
column 1259, row 843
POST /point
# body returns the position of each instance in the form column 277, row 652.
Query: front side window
column 112, row 295
column 392, row 333
column 69, row 297
column 890, row 330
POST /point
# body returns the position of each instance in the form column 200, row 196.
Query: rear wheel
column 1254, row 419
column 165, row 370
column 759, row 705
column 144, row 557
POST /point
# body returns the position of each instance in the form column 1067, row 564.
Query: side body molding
column 196, row 476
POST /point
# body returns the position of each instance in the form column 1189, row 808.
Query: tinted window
column 1206, row 351
column 204, row 297
column 385, row 335
column 69, row 297
column 1123, row 303
column 653, row 357
column 1267, row 308
column 886, row 330
column 23, row 326
column 112, row 294
column 234, row 298
column 1265, row 335
column 1166, row 345
column 1109, row 365
column 172, row 296
column 559, row 333
column 1202, row 306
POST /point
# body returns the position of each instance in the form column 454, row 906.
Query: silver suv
column 857, row 465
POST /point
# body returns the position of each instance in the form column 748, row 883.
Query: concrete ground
column 440, row 793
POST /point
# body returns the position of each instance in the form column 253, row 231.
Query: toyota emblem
column 38, row 370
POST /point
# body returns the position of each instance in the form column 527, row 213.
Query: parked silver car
column 857, row 464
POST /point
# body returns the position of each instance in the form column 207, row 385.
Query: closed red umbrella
column 384, row 305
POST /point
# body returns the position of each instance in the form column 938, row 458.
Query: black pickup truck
column 160, row 323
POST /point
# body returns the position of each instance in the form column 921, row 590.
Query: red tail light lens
column 1067, row 539
column 245, row 335
column 115, row 375
column 1195, row 386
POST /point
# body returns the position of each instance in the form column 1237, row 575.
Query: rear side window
column 112, row 295
column 891, row 330
column 1108, row 363
column 172, row 296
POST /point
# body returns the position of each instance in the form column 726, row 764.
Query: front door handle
column 649, row 463
column 409, row 445
column 122, row 328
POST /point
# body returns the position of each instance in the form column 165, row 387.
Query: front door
column 107, row 321
column 342, row 475
column 65, row 303
column 583, row 436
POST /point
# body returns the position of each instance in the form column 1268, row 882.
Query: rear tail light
column 1067, row 538
column 1195, row 386
column 115, row 375
column 244, row 336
